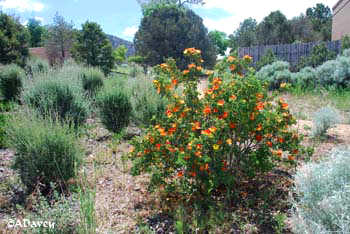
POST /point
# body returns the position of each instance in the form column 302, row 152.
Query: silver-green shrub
column 305, row 78
column 135, row 69
column 275, row 74
column 346, row 53
column 322, row 202
column 324, row 119
column 11, row 81
column 342, row 72
column 325, row 73
column 47, row 151
column 37, row 65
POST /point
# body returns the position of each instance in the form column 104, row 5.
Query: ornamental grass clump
column 324, row 119
column 11, row 81
column 322, row 196
column 46, row 151
column 92, row 81
column 211, row 144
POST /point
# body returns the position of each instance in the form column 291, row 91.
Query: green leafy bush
column 324, row 119
column 46, row 151
column 136, row 59
column 135, row 70
column 3, row 118
column 11, row 81
column 275, row 74
column 345, row 43
column 267, row 58
column 319, row 54
column 146, row 102
column 322, row 202
column 115, row 108
column 305, row 78
column 92, row 81
column 58, row 99
column 325, row 73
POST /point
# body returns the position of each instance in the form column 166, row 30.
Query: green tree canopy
column 321, row 18
column 14, row 40
column 168, row 31
column 36, row 32
column 60, row 39
column 274, row 29
column 303, row 31
column 245, row 35
column 93, row 48
column 220, row 40
column 119, row 54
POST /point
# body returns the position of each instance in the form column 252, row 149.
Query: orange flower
column 174, row 81
column 230, row 58
column 197, row 125
column 198, row 153
column 206, row 132
column 217, row 80
column 208, row 73
column 185, row 72
column 259, row 96
column 199, row 68
column 192, row 173
column 259, row 128
column 191, row 66
column 252, row 117
column 163, row 65
column 279, row 153
column 229, row 141
column 295, row 151
column 258, row 137
column 163, row 133
column 223, row 169
column 151, row 139
column 281, row 140
column 169, row 114
column 247, row 57
column 183, row 114
column 207, row 110
column 260, row 106
column 158, row 146
column 269, row 144
column 233, row 97
column 168, row 87
column 199, row 146
column 284, row 106
column 212, row 129
column 215, row 110
column 224, row 116
column 221, row 102
column 291, row 157
column 180, row 174
column 232, row 67
column 232, row 125
column 172, row 130
column 216, row 87
column 283, row 85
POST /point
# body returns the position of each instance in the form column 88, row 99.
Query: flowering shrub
column 234, row 131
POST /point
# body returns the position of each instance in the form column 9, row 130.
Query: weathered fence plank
column 291, row 53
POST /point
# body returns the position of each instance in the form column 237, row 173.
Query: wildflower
column 176, row 109
column 233, row 97
column 252, row 117
column 155, row 82
column 259, row 128
column 169, row 114
column 232, row 125
column 163, row 65
column 260, row 106
column 232, row 67
column 247, row 57
column 174, row 81
column 280, row 140
column 259, row 96
column 229, row 141
column 269, row 144
column 212, row 129
column 185, row 72
column 291, row 157
column 196, row 126
column 207, row 110
column 216, row 147
column 283, row 85
column 151, row 139
column 180, row 174
column 192, row 173
column 258, row 137
column 208, row 73
column 191, row 66
column 221, row 102
column 230, row 58
column 199, row 68
column 284, row 106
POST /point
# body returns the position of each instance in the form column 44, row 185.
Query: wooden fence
column 287, row 52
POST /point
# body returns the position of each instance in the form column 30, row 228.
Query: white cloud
column 22, row 5
column 256, row 9
column 130, row 31
column 41, row 19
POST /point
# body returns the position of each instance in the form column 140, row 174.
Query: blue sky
column 122, row 17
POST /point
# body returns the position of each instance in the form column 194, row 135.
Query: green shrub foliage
column 37, row 65
column 342, row 72
column 346, row 53
column 325, row 73
column 319, row 54
column 92, row 81
column 305, row 78
column 58, row 99
column 275, row 74
column 267, row 58
column 322, row 202
column 3, row 118
column 345, row 43
column 11, row 81
column 46, row 151
column 146, row 102
column 324, row 119
column 114, row 108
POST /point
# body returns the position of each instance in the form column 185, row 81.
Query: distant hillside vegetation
column 116, row 41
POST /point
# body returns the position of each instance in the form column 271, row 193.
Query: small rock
column 130, row 132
